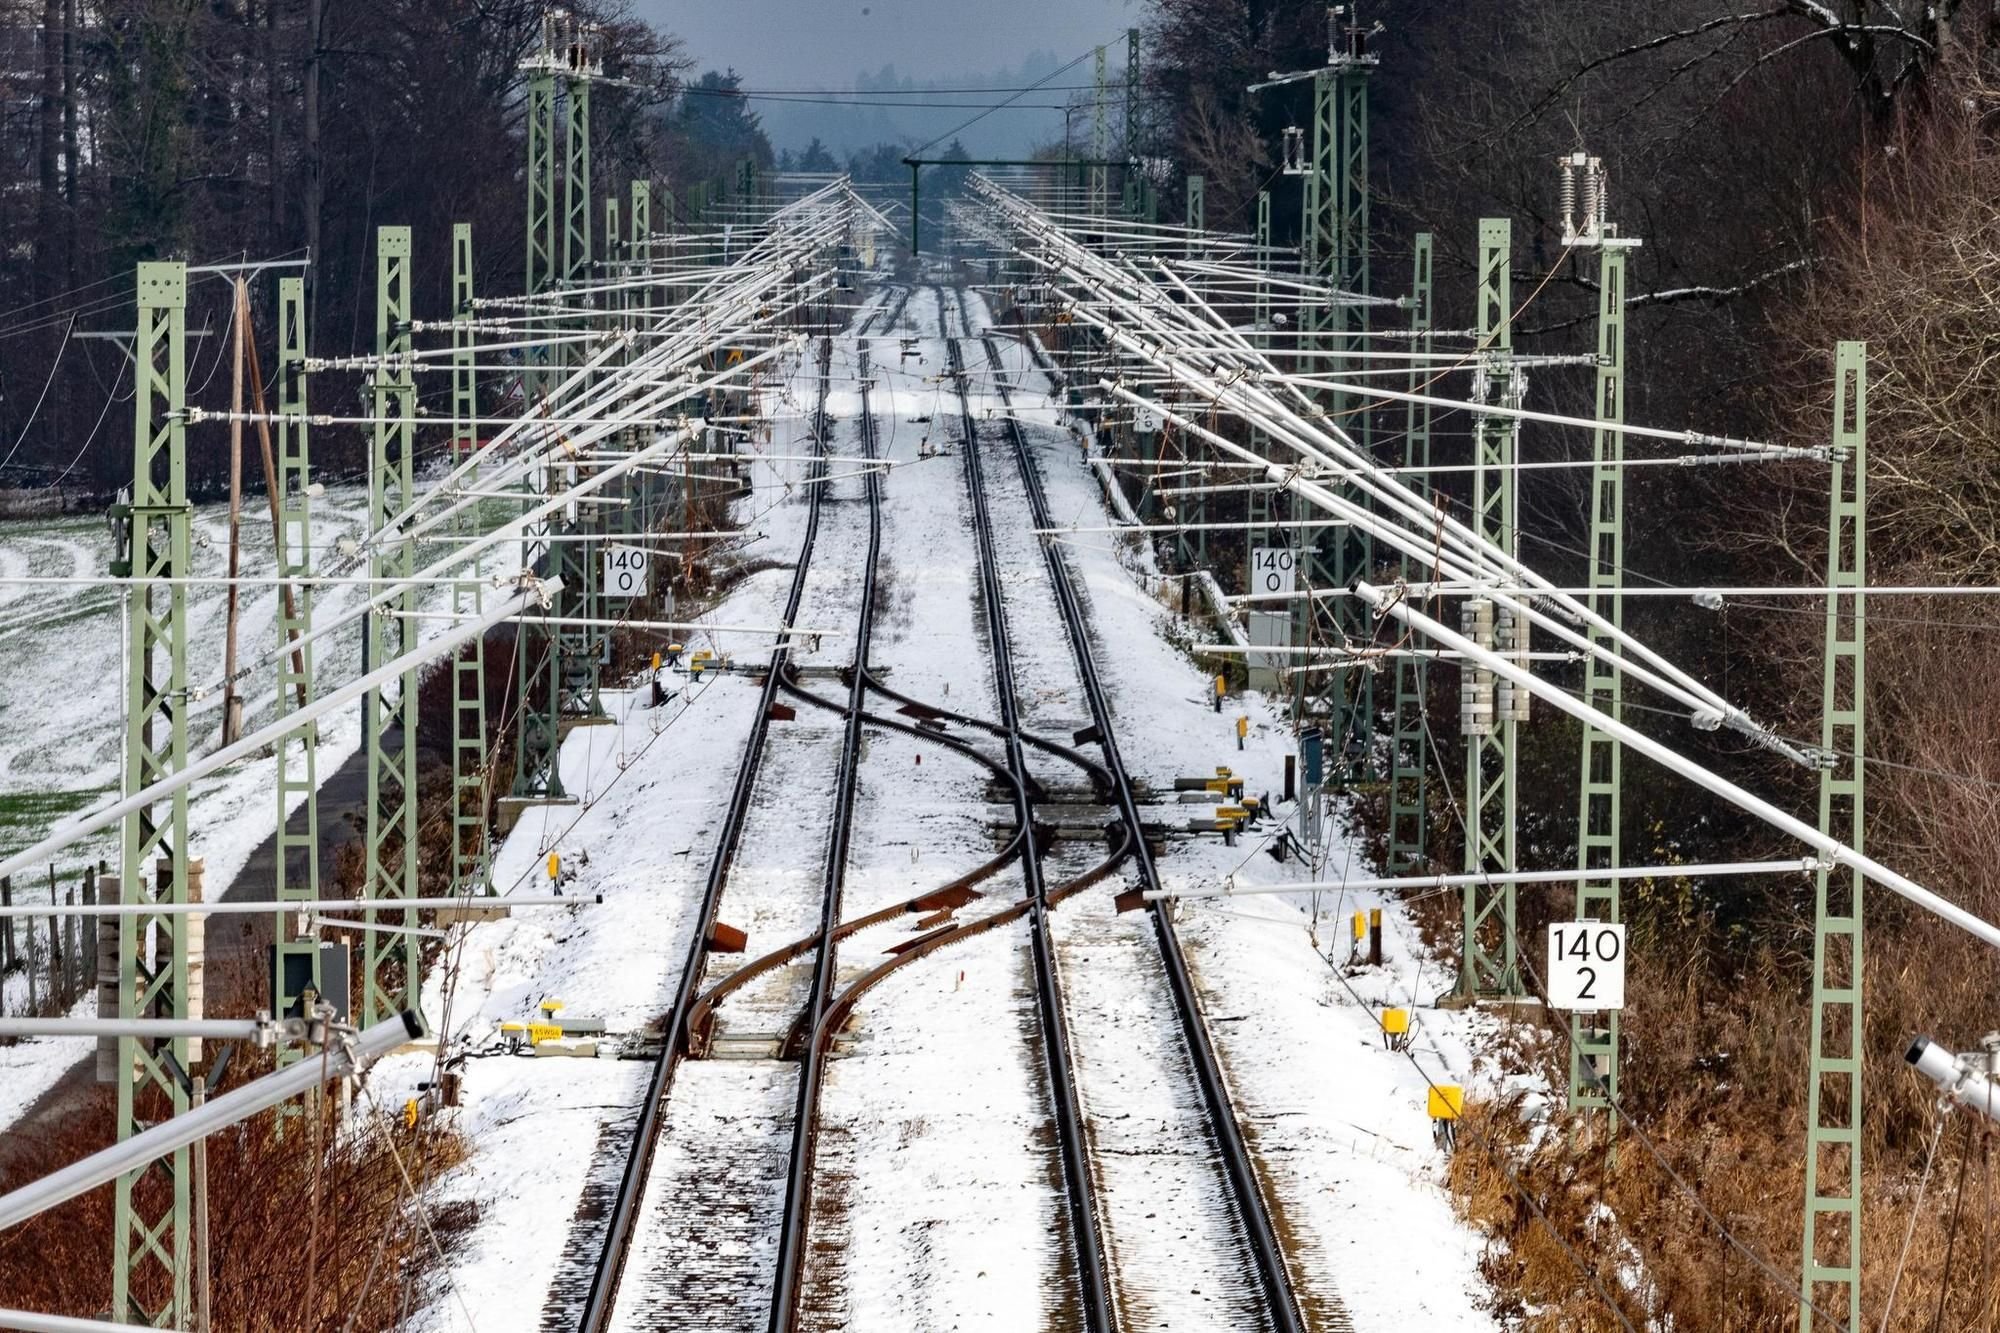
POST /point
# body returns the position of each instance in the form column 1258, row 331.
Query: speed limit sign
column 625, row 571
column 1273, row 570
column 1586, row 965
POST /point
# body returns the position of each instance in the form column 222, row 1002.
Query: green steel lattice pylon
column 1593, row 1045
column 150, row 1267
column 1830, row 1277
column 1100, row 145
column 1493, row 710
column 471, row 782
column 296, row 866
column 542, row 223
column 1409, row 815
column 390, row 980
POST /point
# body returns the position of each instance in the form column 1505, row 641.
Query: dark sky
column 825, row 43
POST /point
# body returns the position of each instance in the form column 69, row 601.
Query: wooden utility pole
column 232, row 703
column 273, row 488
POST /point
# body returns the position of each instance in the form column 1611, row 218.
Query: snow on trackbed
column 939, row 1206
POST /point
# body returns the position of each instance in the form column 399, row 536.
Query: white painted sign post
column 1273, row 569
column 1586, row 969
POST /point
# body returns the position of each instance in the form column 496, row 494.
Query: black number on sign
column 1608, row 945
column 1589, row 975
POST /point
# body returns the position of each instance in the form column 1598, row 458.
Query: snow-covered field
column 62, row 706
column 938, row 1202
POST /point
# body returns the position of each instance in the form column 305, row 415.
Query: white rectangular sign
column 625, row 571
column 1273, row 570
column 1586, row 966
column 1147, row 421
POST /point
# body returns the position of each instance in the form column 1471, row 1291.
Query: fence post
column 55, row 947
column 72, row 961
column 7, row 935
column 88, row 929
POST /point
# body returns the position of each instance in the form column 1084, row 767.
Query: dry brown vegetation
column 1717, row 1032
column 312, row 1228
column 369, row 1258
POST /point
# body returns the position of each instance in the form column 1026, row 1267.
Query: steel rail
column 1273, row 1277
column 605, row 1277
column 1072, row 1135
column 1100, row 776
column 789, row 1281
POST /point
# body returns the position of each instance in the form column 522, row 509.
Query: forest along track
column 1266, row 1287
column 601, row 1236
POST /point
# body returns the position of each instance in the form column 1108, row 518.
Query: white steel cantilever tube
column 29, row 1322
column 1428, row 553
column 729, row 303
column 1833, row 849
column 511, row 530
column 1229, row 888
column 343, row 1058
column 284, row 726
column 221, row 1029
column 741, row 291
column 1330, row 447
column 616, row 387
column 645, row 406
column 503, row 903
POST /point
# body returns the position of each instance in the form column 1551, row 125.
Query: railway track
column 590, row 1308
column 1012, row 772
column 749, row 1136
column 811, row 1035
column 1072, row 1135
column 1272, row 1279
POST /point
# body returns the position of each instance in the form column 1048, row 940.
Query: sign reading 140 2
column 1273, row 569
column 1586, row 966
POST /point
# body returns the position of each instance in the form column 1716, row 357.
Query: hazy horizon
column 778, row 45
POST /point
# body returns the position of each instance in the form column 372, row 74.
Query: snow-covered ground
column 62, row 707
column 939, row 1202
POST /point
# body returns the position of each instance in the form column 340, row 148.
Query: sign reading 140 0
column 625, row 571
column 1273, row 570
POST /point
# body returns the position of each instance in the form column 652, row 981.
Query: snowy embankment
column 62, row 711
